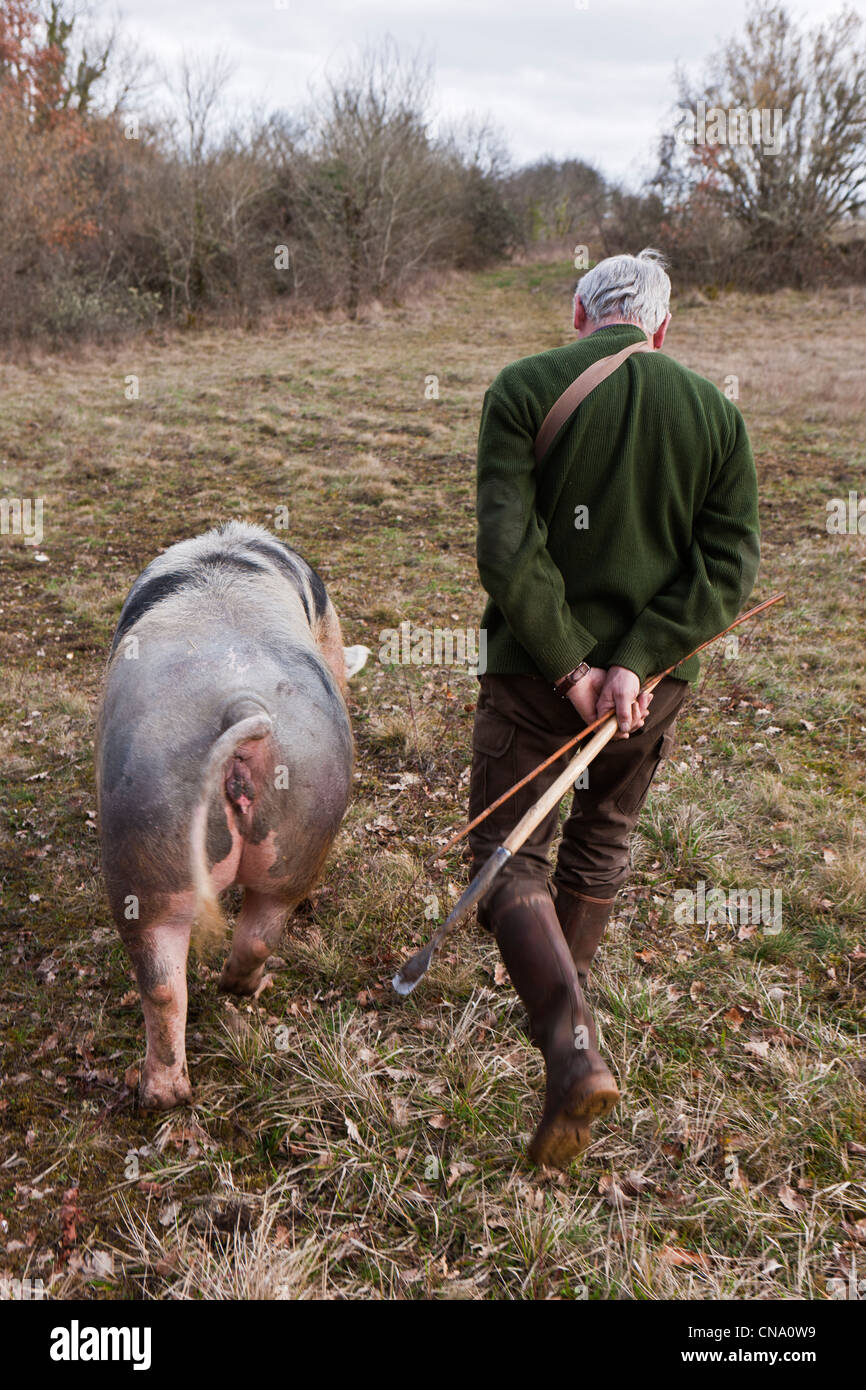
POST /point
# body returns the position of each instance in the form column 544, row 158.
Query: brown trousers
column 520, row 721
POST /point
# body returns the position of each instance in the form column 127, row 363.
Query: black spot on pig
column 288, row 563
column 267, row 812
column 151, row 971
column 289, row 658
column 320, row 593
column 218, row 840
column 145, row 596
column 221, row 559
column 315, row 664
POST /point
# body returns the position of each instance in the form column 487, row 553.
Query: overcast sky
column 585, row 78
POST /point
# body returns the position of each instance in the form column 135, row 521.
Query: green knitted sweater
column 637, row 538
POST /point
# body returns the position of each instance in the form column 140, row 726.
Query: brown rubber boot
column 583, row 920
column 580, row 1088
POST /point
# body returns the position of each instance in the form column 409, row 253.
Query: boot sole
column 566, row 1133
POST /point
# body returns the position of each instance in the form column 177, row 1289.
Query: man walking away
column 634, row 540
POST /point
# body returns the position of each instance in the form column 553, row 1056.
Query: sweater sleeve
column 717, row 575
column 514, row 564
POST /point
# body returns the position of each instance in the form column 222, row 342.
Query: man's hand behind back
column 618, row 690
column 585, row 694
column 621, row 693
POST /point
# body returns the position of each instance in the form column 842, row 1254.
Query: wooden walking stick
column 417, row 966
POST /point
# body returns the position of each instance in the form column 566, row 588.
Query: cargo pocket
column 492, row 763
column 634, row 790
column 492, row 733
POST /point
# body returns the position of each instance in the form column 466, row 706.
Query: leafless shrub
column 790, row 169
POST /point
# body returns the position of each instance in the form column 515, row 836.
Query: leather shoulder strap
column 563, row 408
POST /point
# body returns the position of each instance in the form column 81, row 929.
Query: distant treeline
column 114, row 214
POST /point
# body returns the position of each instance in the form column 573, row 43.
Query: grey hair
column 633, row 288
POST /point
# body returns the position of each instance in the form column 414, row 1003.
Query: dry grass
column 345, row 1143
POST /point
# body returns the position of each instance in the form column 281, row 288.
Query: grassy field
column 345, row 1143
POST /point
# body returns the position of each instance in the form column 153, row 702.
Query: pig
column 224, row 756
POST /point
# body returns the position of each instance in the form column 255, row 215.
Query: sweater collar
column 617, row 332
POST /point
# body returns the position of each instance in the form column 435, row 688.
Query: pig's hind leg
column 256, row 936
column 159, row 954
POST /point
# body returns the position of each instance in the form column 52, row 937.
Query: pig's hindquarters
column 273, row 795
column 270, row 801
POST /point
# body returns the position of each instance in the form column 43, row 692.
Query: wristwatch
column 564, row 684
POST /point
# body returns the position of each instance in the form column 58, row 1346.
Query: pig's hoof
column 164, row 1092
column 230, row 982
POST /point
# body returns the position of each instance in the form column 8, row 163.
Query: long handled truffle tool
column 603, row 730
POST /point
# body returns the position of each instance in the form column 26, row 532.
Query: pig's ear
column 356, row 660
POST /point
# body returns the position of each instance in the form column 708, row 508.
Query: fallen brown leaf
column 70, row 1215
column 611, row 1190
column 789, row 1199
column 676, row 1256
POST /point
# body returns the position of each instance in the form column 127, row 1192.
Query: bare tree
column 366, row 195
column 779, row 132
column 182, row 206
column 95, row 70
